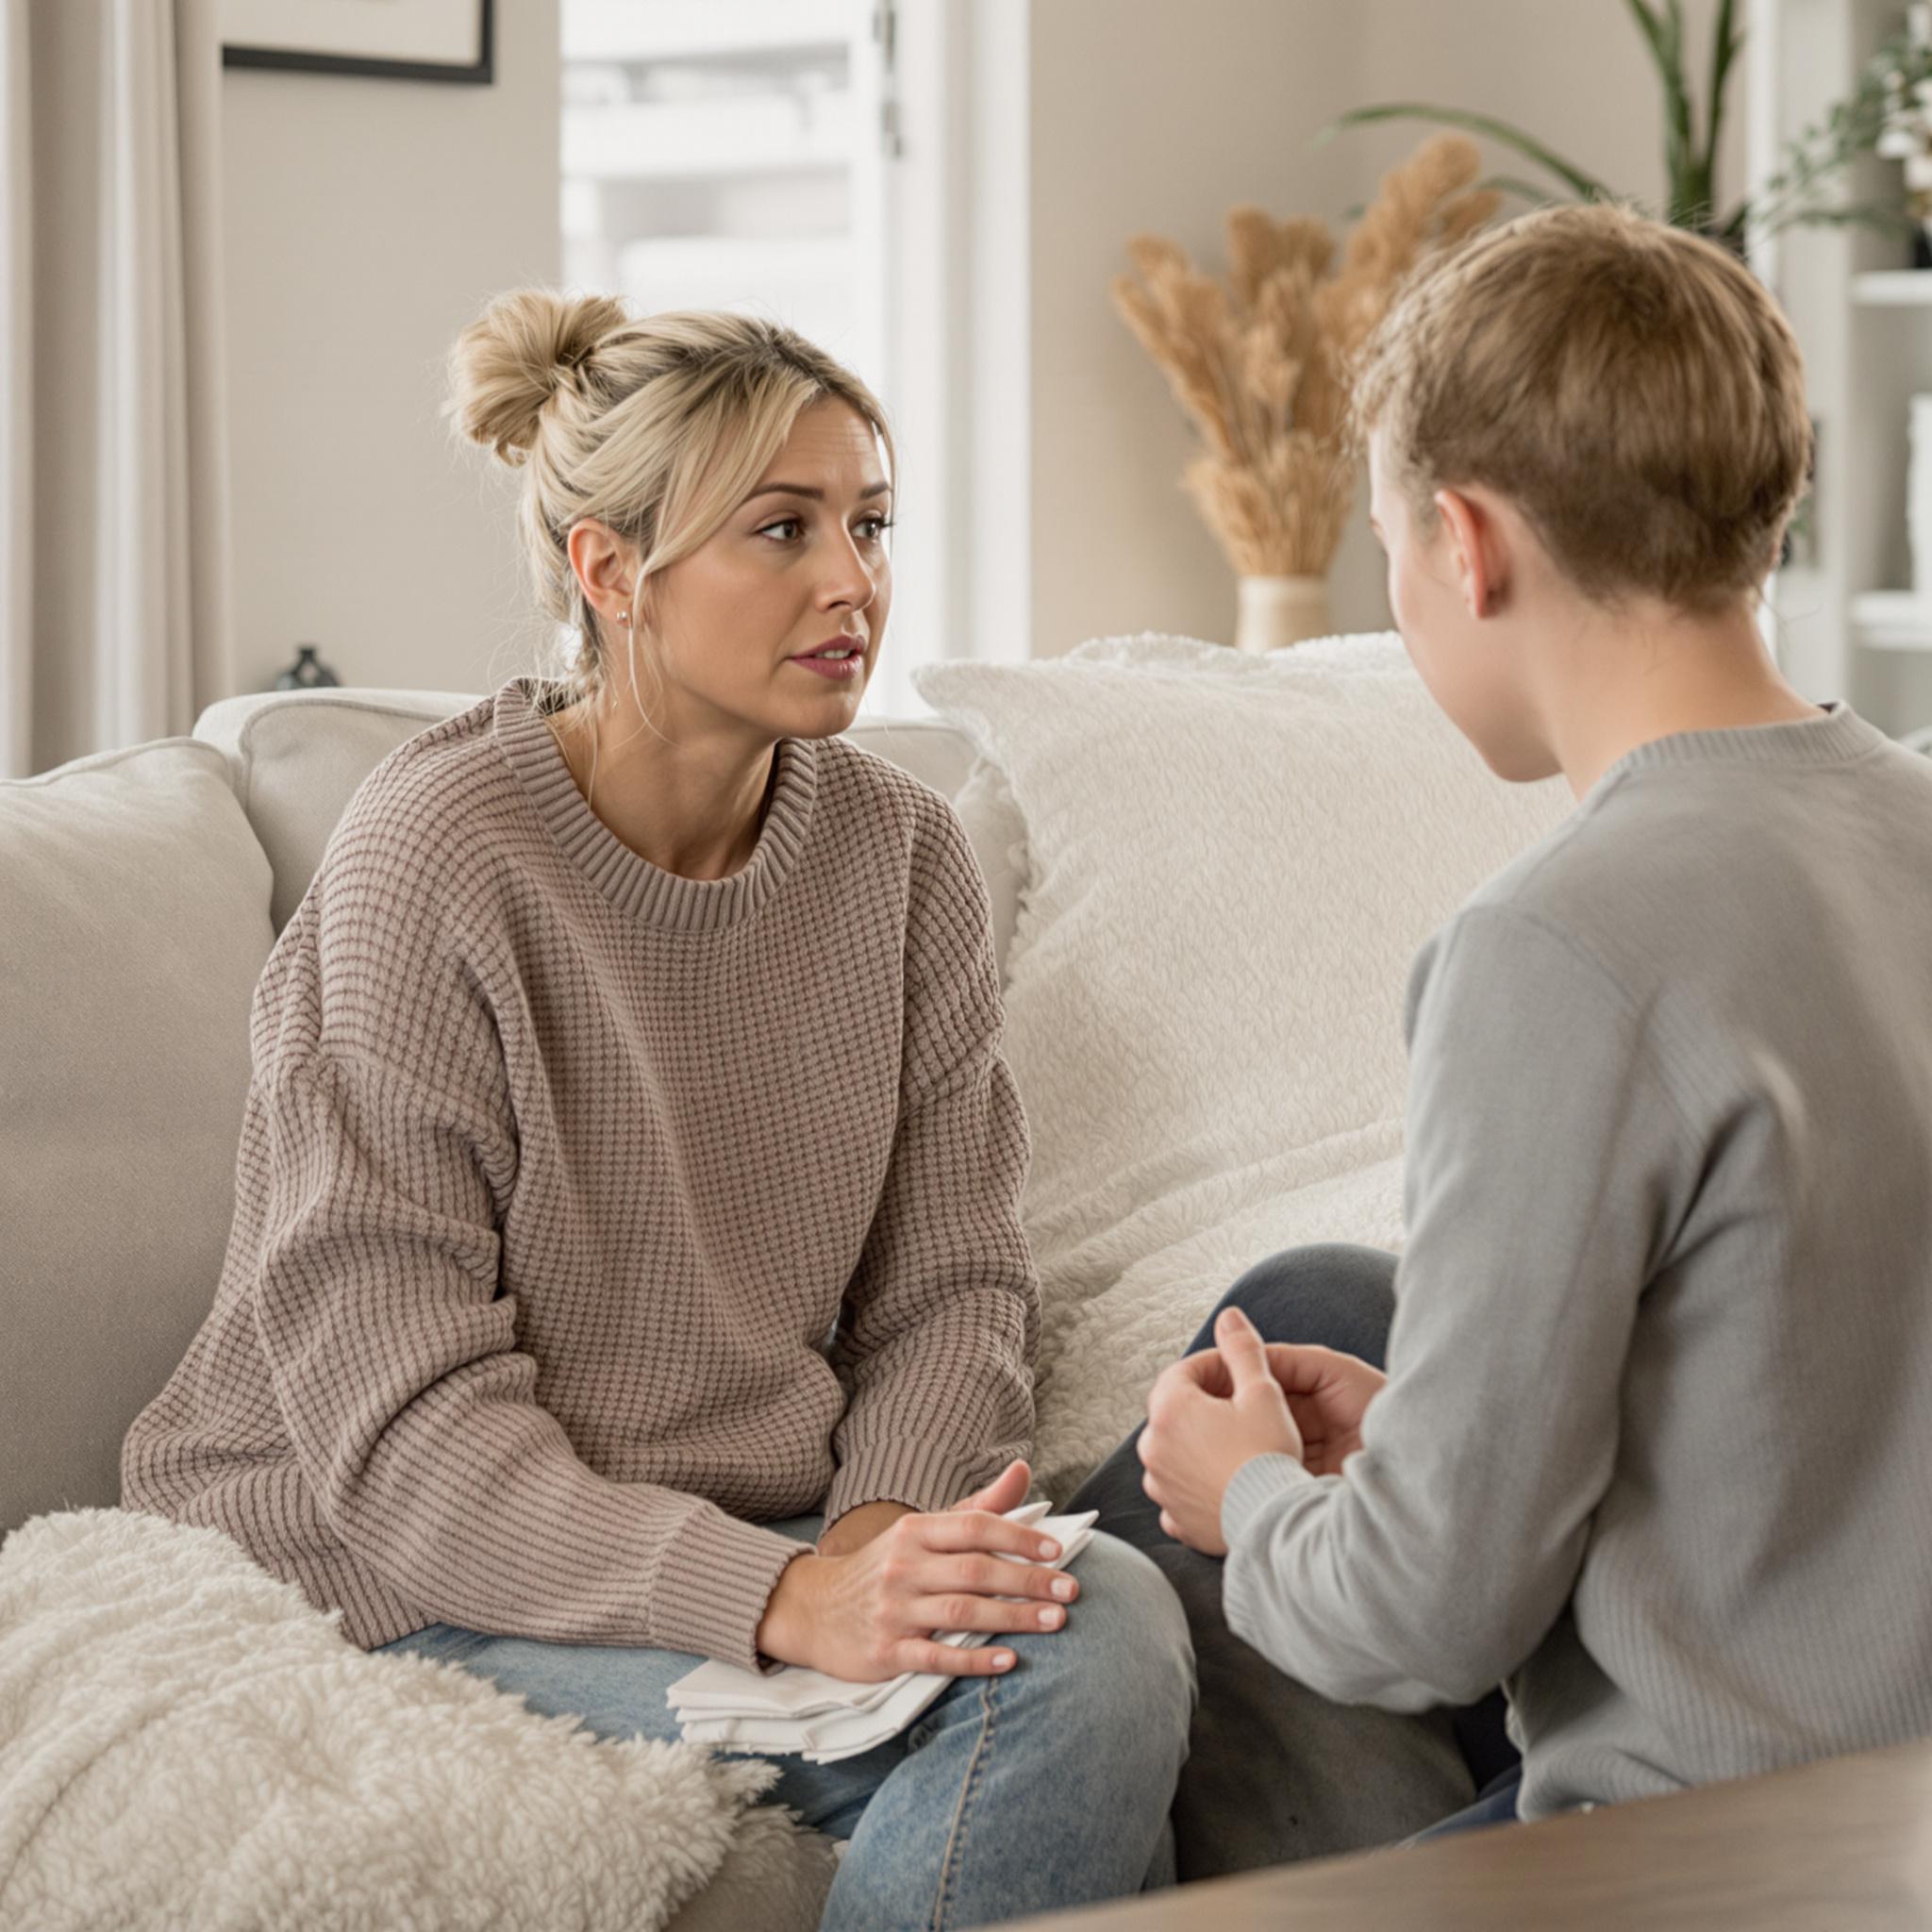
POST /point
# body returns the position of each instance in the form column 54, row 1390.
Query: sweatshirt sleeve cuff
column 921, row 1474
column 713, row 1584
column 1253, row 1486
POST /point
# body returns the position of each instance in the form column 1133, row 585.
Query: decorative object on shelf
column 400, row 39
column 1261, row 365
column 1795, row 195
column 1889, row 99
column 1906, row 135
column 307, row 673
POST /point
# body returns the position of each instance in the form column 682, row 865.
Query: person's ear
column 603, row 566
column 1477, row 550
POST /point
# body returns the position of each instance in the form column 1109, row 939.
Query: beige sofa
column 140, row 893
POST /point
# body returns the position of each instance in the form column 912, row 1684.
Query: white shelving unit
column 1846, row 620
column 1893, row 288
column 1893, row 620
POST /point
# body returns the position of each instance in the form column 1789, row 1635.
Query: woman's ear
column 1478, row 551
column 603, row 566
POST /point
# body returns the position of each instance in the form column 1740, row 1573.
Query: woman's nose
column 857, row 589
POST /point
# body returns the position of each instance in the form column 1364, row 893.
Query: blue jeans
column 1274, row 1772
column 1043, row 1788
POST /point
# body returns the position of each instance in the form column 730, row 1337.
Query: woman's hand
column 871, row 1615
column 1207, row 1415
column 858, row 1527
column 1329, row 1393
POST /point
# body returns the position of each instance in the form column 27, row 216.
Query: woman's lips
column 837, row 668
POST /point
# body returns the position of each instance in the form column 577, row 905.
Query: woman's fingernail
column 1049, row 1550
column 1003, row 1661
column 1063, row 1588
column 1050, row 1617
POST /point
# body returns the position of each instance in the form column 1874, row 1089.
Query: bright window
column 735, row 154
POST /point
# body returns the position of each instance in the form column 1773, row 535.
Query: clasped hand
column 869, row 1613
column 1217, row 1409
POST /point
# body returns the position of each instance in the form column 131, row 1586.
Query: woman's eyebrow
column 808, row 489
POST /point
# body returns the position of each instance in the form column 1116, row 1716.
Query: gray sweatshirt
column 1656, row 1443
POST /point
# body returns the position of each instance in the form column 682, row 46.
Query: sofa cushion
column 1231, row 862
column 134, row 923
column 297, row 757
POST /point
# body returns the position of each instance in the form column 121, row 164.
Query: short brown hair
column 1633, row 388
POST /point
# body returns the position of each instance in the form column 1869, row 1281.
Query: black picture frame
column 481, row 73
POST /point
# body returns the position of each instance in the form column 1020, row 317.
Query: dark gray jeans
column 1275, row 1773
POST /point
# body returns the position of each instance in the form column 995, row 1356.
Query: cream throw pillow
column 134, row 923
column 1231, row 861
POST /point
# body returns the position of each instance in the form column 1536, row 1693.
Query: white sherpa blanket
column 184, row 1742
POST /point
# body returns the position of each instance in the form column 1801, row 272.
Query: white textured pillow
column 1231, row 862
column 997, row 834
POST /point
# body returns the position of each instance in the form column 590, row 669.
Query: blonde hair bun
column 515, row 357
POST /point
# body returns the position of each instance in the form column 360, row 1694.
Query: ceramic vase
column 1273, row 611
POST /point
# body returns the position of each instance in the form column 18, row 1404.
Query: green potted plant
column 1798, row 193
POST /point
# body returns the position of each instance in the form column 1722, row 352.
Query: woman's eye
column 882, row 524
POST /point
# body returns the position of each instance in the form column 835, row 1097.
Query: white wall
column 367, row 221
column 1149, row 114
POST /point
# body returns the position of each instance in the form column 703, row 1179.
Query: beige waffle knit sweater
column 557, row 1169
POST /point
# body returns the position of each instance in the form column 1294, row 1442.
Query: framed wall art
column 393, row 40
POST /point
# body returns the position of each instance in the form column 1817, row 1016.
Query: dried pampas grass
column 1262, row 364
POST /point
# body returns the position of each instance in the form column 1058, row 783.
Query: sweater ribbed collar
column 1835, row 738
column 636, row 887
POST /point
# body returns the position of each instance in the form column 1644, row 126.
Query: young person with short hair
column 1653, row 1438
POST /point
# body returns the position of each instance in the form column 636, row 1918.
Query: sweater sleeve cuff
column 713, row 1584
column 1254, row 1485
column 921, row 1474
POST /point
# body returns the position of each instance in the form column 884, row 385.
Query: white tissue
column 823, row 1719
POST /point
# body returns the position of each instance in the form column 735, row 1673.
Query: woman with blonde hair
column 626, row 1266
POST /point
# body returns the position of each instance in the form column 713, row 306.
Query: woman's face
column 801, row 565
